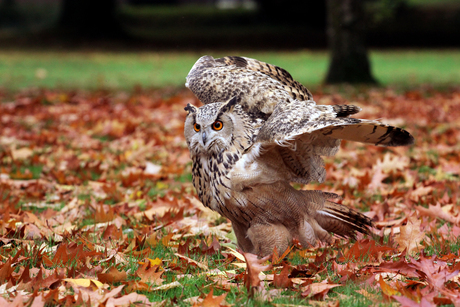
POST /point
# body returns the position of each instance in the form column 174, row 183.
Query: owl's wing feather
column 300, row 136
column 295, row 89
column 292, row 120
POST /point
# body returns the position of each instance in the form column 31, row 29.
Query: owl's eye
column 197, row 127
column 217, row 125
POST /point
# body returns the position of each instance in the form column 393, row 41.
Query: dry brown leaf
column 410, row 236
column 282, row 280
column 318, row 289
column 112, row 275
column 254, row 267
column 440, row 212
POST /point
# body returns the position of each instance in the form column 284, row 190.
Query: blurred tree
column 89, row 18
column 345, row 31
column 9, row 13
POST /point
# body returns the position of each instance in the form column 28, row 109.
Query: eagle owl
column 257, row 132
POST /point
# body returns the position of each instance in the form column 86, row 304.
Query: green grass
column 92, row 70
column 431, row 2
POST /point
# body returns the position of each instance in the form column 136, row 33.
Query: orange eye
column 217, row 125
column 197, row 127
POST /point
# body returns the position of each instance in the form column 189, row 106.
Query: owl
column 248, row 144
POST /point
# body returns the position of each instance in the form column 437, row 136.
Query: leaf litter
column 97, row 208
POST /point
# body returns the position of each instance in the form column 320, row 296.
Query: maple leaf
column 410, row 236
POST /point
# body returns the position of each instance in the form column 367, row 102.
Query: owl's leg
column 265, row 237
column 241, row 235
column 310, row 232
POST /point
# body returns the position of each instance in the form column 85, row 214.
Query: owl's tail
column 342, row 221
column 329, row 217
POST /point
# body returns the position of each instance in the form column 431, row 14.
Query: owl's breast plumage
column 211, row 178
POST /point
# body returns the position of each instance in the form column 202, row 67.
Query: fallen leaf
column 84, row 282
column 112, row 276
column 282, row 280
column 212, row 301
column 410, row 236
column 439, row 212
column 254, row 267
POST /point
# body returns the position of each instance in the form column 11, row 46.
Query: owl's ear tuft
column 190, row 108
column 229, row 105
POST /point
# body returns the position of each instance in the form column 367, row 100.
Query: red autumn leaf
column 282, row 280
column 5, row 270
column 112, row 232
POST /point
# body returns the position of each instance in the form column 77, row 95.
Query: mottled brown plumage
column 260, row 130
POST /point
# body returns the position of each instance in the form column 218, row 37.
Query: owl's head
column 211, row 128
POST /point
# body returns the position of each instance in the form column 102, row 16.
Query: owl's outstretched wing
column 293, row 120
column 301, row 135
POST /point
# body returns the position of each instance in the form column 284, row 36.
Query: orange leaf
column 386, row 289
column 149, row 273
column 212, row 301
column 104, row 213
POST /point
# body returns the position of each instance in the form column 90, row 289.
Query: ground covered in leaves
column 97, row 208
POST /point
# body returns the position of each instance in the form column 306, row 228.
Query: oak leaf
column 211, row 301
column 410, row 236
column 149, row 273
column 439, row 212
column 282, row 280
column 254, row 267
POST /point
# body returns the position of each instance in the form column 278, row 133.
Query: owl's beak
column 203, row 135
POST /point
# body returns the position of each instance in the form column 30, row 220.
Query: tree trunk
column 9, row 14
column 345, row 30
column 90, row 18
